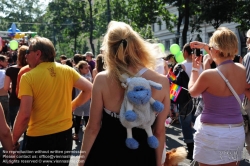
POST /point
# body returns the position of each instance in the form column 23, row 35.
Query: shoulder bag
column 244, row 114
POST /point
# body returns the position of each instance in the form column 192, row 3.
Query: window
column 167, row 44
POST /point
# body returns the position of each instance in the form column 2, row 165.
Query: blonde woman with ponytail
column 104, row 137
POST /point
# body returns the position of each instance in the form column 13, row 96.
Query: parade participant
column 11, row 79
column 186, row 109
column 171, row 61
column 104, row 137
column 46, row 108
column 99, row 67
column 3, row 62
column 220, row 125
column 89, row 56
column 63, row 59
column 4, row 99
column 83, row 110
column 246, row 103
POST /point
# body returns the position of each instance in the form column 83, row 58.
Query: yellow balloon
column 21, row 35
column 17, row 36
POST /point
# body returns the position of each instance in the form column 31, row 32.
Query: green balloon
column 162, row 47
column 175, row 49
column 204, row 52
column 13, row 44
column 33, row 34
column 179, row 57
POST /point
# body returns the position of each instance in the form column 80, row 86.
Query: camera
column 197, row 52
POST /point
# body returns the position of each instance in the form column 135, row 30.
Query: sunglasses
column 28, row 51
column 213, row 47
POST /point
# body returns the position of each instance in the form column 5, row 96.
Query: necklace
column 226, row 62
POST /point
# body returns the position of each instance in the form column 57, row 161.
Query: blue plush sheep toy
column 139, row 108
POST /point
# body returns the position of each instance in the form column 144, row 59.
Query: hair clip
column 124, row 42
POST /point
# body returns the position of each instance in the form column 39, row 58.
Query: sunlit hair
column 77, row 58
column 69, row 62
column 45, row 46
column 21, row 60
column 63, row 57
column 187, row 48
column 99, row 63
column 81, row 64
column 3, row 58
column 124, row 47
column 224, row 40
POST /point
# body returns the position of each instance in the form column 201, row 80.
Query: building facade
column 168, row 38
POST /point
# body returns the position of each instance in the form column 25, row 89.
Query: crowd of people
column 44, row 100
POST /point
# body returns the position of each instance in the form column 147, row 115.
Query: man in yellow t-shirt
column 46, row 106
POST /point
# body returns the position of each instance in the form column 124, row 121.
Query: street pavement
column 174, row 139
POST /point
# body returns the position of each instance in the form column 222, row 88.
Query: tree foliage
column 141, row 13
column 186, row 9
column 242, row 14
column 22, row 12
column 217, row 12
column 73, row 25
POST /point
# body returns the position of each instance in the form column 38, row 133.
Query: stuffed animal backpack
column 139, row 108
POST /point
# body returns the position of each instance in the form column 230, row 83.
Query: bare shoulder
column 240, row 66
column 102, row 75
column 156, row 77
column 101, row 78
column 208, row 74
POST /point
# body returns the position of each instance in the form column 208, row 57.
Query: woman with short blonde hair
column 220, row 136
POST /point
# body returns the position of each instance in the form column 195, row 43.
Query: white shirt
column 160, row 67
column 188, row 68
column 2, row 77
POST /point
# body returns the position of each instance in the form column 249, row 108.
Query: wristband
column 195, row 69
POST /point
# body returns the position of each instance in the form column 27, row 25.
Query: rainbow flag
column 171, row 76
column 174, row 91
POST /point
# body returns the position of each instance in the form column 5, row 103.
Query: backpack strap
column 142, row 71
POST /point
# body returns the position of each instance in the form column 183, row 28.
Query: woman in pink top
column 220, row 137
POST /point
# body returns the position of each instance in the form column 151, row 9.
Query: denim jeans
column 4, row 100
column 187, row 128
column 13, row 112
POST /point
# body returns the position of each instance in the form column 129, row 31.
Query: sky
column 44, row 2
